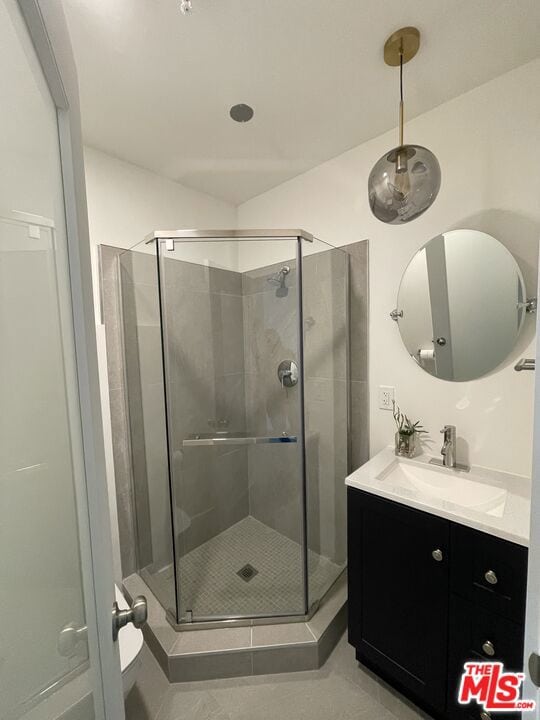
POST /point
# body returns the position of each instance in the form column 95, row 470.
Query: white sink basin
column 484, row 499
column 450, row 486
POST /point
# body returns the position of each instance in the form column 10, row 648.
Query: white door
column 532, row 623
column 57, row 655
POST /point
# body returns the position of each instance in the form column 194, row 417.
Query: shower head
column 278, row 278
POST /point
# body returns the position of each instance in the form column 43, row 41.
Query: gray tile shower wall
column 359, row 337
column 203, row 323
column 271, row 336
column 146, row 408
column 206, row 384
column 112, row 318
column 335, row 307
column 326, row 369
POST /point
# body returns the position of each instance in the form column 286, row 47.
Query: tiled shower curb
column 242, row 651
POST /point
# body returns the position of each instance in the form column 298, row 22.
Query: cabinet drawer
column 470, row 629
column 490, row 572
column 482, row 635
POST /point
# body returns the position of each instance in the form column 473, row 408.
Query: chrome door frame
column 164, row 241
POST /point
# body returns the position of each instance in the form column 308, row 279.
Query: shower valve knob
column 288, row 373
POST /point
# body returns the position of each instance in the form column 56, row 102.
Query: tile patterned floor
column 211, row 586
column 341, row 690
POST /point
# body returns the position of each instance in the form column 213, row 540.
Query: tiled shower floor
column 210, row 585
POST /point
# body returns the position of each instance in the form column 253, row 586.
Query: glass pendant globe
column 404, row 184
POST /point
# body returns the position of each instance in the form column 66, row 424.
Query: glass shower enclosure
column 236, row 356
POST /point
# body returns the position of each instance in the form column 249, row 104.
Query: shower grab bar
column 231, row 440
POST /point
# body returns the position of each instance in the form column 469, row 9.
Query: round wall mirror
column 461, row 305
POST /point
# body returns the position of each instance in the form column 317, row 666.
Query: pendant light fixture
column 405, row 181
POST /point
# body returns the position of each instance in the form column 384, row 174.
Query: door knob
column 136, row 614
column 491, row 577
column 488, row 648
column 437, row 555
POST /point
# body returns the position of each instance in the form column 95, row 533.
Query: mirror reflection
column 461, row 305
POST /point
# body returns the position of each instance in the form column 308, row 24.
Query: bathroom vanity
column 437, row 575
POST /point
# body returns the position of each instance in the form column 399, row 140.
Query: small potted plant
column 407, row 433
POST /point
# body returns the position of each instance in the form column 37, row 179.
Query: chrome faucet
column 448, row 450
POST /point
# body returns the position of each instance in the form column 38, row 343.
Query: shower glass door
column 231, row 318
column 326, row 312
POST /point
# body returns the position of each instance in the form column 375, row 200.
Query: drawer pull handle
column 488, row 648
column 485, row 715
column 491, row 578
column 437, row 555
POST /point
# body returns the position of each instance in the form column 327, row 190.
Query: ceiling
column 156, row 85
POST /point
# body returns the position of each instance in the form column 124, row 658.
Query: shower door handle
column 136, row 614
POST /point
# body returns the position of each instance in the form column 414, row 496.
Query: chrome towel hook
column 525, row 364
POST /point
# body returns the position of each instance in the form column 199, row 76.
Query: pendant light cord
column 401, row 76
column 401, row 98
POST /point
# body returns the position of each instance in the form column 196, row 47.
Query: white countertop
column 509, row 521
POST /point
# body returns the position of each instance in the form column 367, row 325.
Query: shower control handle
column 288, row 373
column 136, row 614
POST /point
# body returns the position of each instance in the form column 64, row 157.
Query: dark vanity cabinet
column 398, row 594
column 427, row 594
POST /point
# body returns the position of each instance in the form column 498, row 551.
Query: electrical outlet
column 386, row 397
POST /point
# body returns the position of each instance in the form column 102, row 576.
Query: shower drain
column 247, row 572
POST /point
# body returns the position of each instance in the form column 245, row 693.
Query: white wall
column 488, row 144
column 126, row 203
